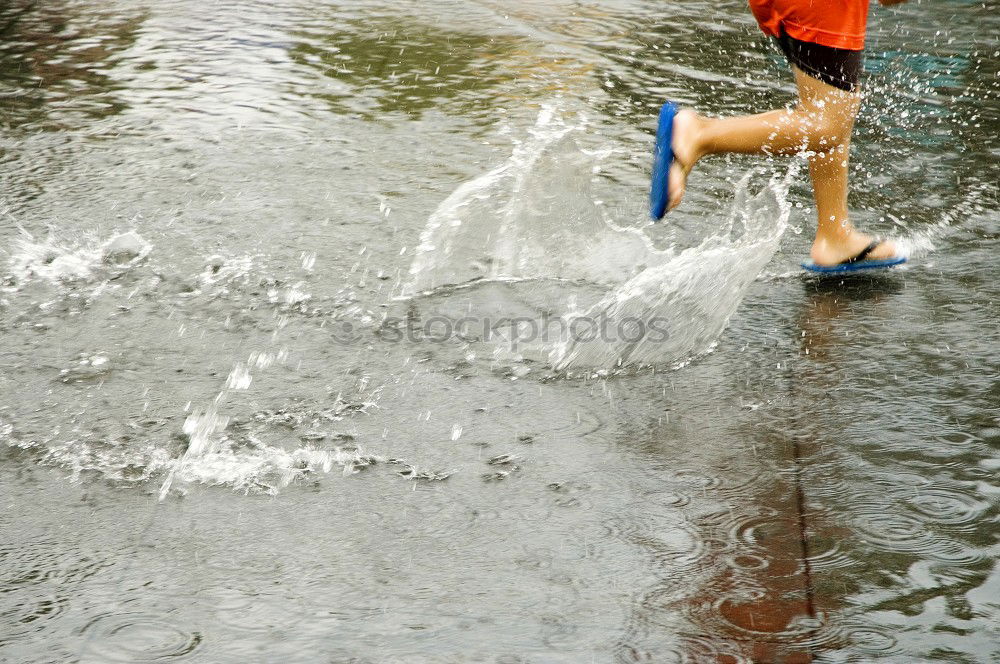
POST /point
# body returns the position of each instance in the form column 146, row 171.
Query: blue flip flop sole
column 663, row 158
column 859, row 266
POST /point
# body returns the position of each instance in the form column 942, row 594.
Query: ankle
column 834, row 229
column 691, row 147
column 700, row 137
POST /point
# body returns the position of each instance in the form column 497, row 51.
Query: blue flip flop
column 663, row 158
column 857, row 263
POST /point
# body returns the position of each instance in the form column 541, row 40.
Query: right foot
column 683, row 142
column 829, row 253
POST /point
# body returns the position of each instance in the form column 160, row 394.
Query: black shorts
column 839, row 67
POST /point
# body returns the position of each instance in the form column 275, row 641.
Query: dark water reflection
column 56, row 60
column 821, row 487
column 379, row 68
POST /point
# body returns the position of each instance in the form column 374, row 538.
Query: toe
column 885, row 249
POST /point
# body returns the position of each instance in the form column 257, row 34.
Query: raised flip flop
column 857, row 263
column 663, row 157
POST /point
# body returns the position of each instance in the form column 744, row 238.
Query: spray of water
column 677, row 309
column 534, row 218
column 57, row 262
column 203, row 426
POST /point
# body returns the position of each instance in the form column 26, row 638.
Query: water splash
column 57, row 262
column 243, row 464
column 534, row 216
column 976, row 200
column 265, row 468
column 534, row 219
column 677, row 309
column 202, row 426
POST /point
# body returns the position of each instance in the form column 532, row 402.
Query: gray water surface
column 209, row 211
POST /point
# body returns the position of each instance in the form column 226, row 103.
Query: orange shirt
column 834, row 23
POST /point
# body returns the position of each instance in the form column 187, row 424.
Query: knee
column 829, row 125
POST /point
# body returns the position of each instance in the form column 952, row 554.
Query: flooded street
column 273, row 388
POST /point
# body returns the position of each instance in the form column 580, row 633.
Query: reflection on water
column 386, row 67
column 207, row 216
column 56, row 60
column 832, row 299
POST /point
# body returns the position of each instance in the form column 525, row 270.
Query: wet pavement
column 217, row 220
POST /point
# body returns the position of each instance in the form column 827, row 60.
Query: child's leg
column 836, row 239
column 821, row 123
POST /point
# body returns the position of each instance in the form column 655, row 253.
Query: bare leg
column 821, row 124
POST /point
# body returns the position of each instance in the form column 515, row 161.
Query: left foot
column 827, row 253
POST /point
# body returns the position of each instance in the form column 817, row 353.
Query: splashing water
column 534, row 218
column 57, row 262
column 212, row 456
column 531, row 217
column 672, row 311
column 201, row 427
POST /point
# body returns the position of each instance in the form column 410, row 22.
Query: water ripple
column 27, row 612
column 138, row 637
column 42, row 560
column 948, row 506
column 906, row 533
